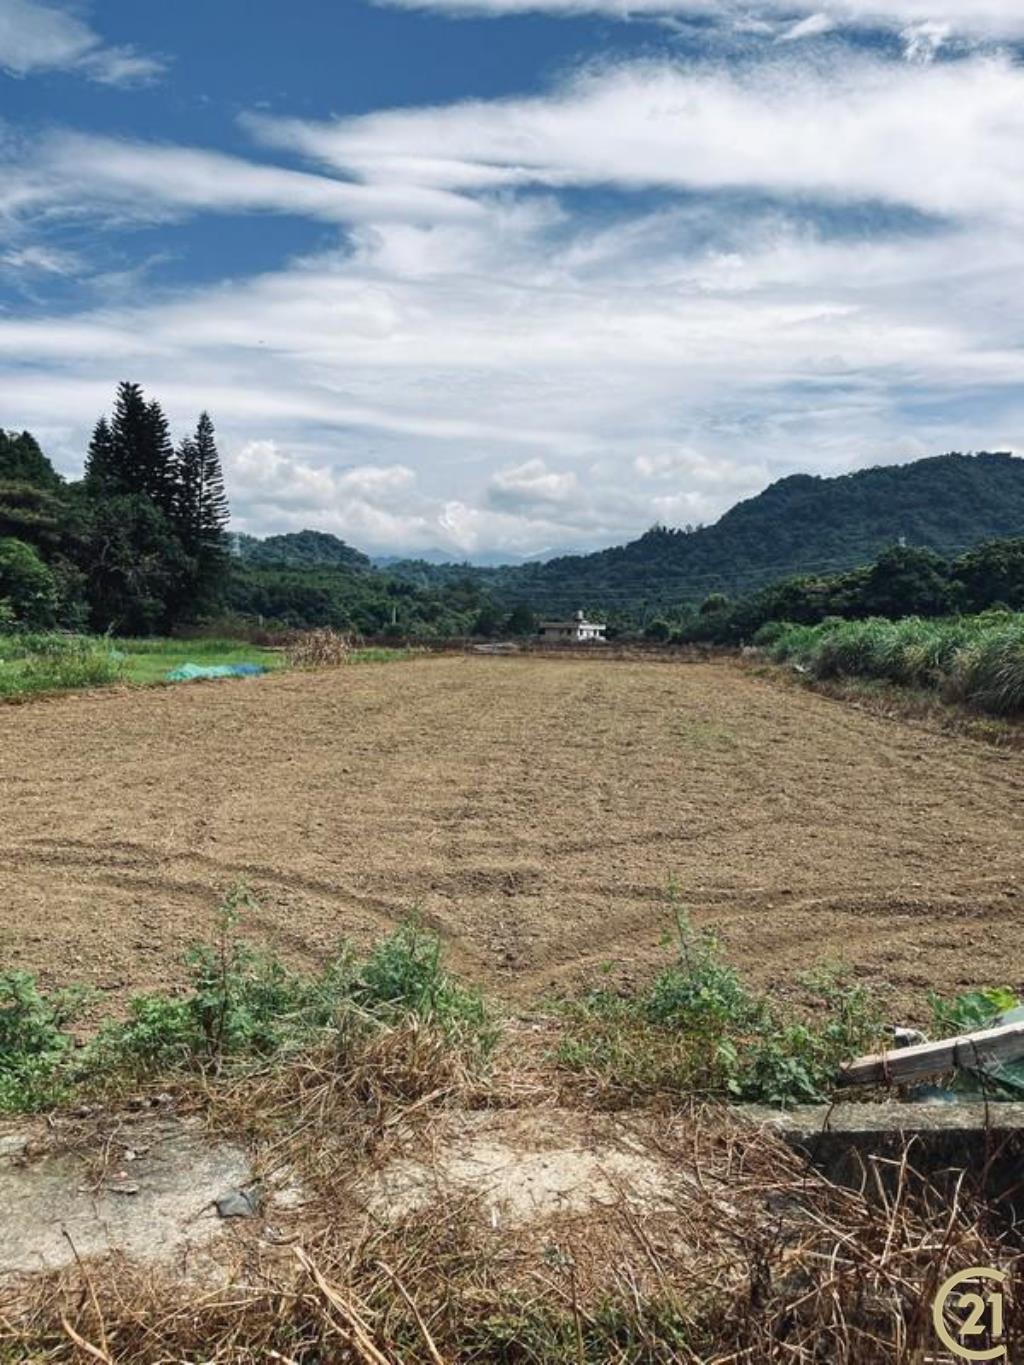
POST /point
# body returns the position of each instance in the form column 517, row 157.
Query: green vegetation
column 243, row 1007
column 137, row 545
column 800, row 525
column 699, row 1029
column 149, row 661
column 977, row 660
column 31, row 665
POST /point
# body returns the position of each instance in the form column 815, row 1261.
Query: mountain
column 300, row 550
column 803, row 524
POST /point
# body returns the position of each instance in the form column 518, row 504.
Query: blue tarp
column 187, row 672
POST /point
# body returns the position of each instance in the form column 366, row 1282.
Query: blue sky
column 516, row 276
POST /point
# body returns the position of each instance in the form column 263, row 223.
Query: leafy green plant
column 54, row 663
column 971, row 1011
column 978, row 660
column 404, row 974
column 34, row 1041
column 700, row 1029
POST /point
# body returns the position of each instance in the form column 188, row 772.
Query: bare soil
column 532, row 809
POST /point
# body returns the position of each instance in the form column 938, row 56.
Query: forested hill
column 801, row 524
column 300, row 550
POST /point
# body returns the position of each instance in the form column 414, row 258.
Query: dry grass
column 323, row 648
column 756, row 1260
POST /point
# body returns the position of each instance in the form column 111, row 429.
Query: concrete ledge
column 844, row 1141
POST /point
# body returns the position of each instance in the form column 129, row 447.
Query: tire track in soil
column 532, row 809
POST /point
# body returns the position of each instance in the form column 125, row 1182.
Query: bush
column 33, row 1041
column 243, row 1007
column 988, row 671
column 27, row 586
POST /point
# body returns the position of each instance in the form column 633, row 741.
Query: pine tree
column 99, row 462
column 159, row 475
column 213, row 509
column 202, row 509
column 131, row 443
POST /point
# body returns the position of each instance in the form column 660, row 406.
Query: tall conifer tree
column 99, row 462
column 202, row 512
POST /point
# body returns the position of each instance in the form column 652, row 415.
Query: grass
column 33, row 665
column 149, row 661
column 329, row 1077
column 976, row 660
column 39, row 664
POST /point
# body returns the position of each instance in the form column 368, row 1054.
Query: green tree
column 993, row 573
column 133, row 454
column 488, row 621
column 136, row 568
column 521, row 621
column 201, row 512
column 22, row 462
column 905, row 581
column 714, row 603
column 101, row 477
column 28, row 589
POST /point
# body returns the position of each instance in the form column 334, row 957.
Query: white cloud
column 38, row 259
column 123, row 181
column 940, row 138
column 996, row 19
column 486, row 363
column 811, row 27
column 36, row 37
column 923, row 42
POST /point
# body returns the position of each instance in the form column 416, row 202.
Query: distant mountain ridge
column 802, row 524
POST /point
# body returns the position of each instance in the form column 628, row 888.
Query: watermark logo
column 965, row 1319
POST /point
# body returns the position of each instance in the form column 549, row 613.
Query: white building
column 578, row 631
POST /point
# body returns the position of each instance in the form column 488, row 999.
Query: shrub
column 978, row 660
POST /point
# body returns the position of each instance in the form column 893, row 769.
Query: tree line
column 138, row 545
column 903, row 581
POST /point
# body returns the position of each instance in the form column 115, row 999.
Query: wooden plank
column 908, row 1064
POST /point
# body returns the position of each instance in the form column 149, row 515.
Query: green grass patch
column 33, row 665
column 149, row 661
column 379, row 654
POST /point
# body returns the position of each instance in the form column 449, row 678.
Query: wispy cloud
column 35, row 37
column 980, row 18
column 791, row 266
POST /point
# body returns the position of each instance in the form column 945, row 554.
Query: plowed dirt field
column 532, row 809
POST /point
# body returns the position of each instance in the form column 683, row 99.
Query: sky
column 507, row 278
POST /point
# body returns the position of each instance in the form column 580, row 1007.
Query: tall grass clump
column 988, row 671
column 323, row 648
column 33, row 664
column 978, row 660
